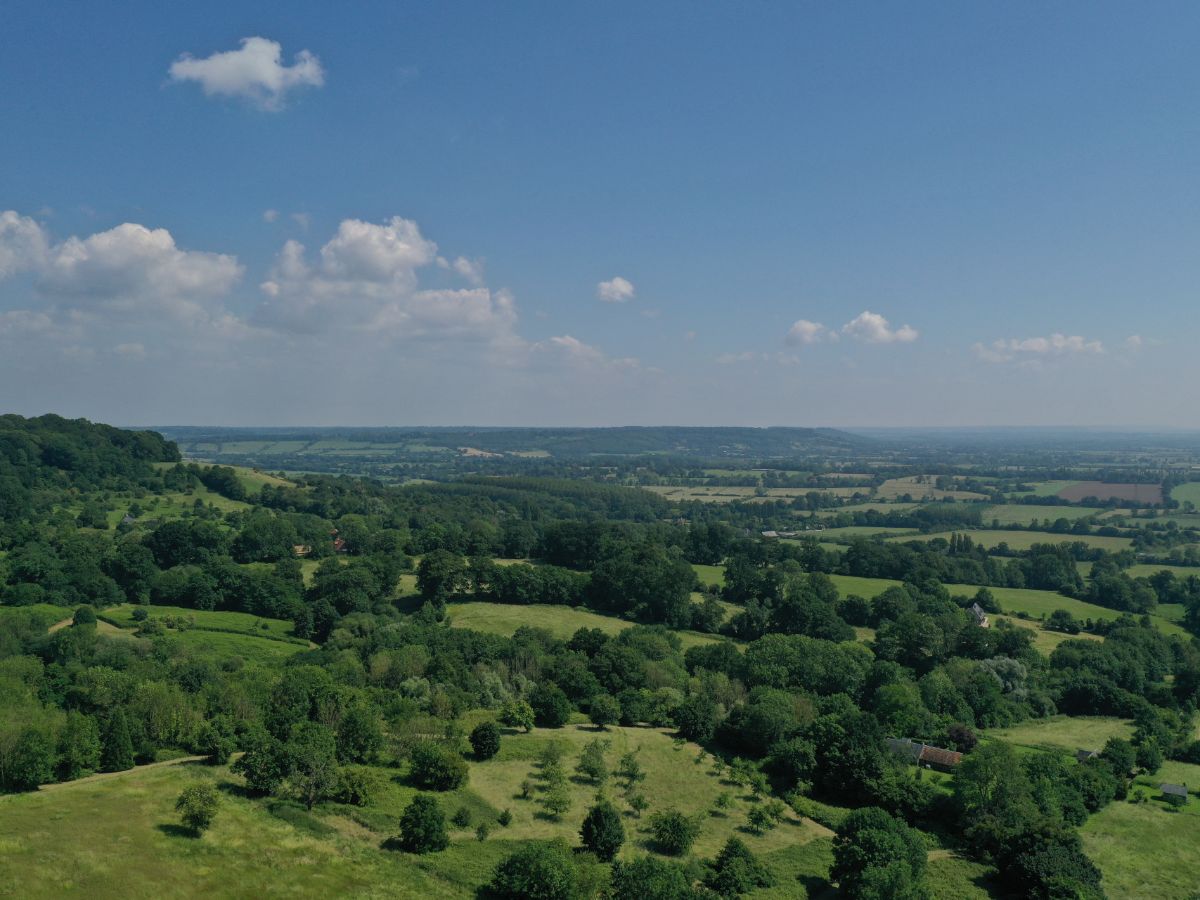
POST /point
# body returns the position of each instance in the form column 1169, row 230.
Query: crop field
column 844, row 535
column 1044, row 489
column 717, row 494
column 561, row 621
column 874, row 506
column 1064, row 733
column 1023, row 540
column 1187, row 492
column 1025, row 513
column 1148, row 850
column 894, row 488
column 1139, row 493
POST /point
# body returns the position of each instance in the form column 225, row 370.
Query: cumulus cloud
column 872, row 328
column 470, row 269
column 1034, row 348
column 255, row 72
column 23, row 243
column 366, row 277
column 616, row 290
column 805, row 332
column 132, row 267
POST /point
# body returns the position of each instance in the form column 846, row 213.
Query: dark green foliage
column 422, row 826
column 485, row 740
column 870, row 843
column 117, row 746
column 536, row 871
column 30, row 761
column 551, row 708
column 264, row 765
column 78, row 747
column 461, row 817
column 85, row 615
column 312, row 762
column 437, row 768
column 197, row 807
column 605, row 710
column 647, row 583
column 650, row 878
column 359, row 733
column 736, row 871
column 696, row 718
column 216, row 740
column 1049, row 864
column 602, row 831
column 673, row 832
column 357, row 785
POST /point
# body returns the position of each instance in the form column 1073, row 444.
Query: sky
column 400, row 213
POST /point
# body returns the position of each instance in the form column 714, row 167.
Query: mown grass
column 835, row 535
column 710, row 575
column 1064, row 733
column 208, row 620
column 1024, row 540
column 561, row 621
column 1023, row 514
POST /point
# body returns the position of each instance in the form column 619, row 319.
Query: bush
column 649, row 878
column 537, row 871
column 482, row 832
column 436, row 768
column 85, row 615
column 461, row 818
column 197, row 807
column 357, row 785
column 736, row 871
column 673, row 832
column 422, row 826
column 517, row 714
column 602, row 831
column 505, row 818
column 485, row 740
column 551, row 708
column 874, row 851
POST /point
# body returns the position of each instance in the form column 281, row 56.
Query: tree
column 1048, row 863
column 650, row 878
column 1149, row 756
column 313, row 770
column 536, row 871
column 602, row 831
column 216, row 740
column 993, row 796
column 517, row 714
column 117, row 752
column 869, row 842
column 422, row 826
column 197, row 807
column 1121, row 755
column 557, row 799
column 673, row 832
column 436, row 768
column 78, row 747
column 264, row 765
column 551, row 708
column 359, row 733
column 696, row 718
column 30, row 762
column 591, row 763
column 736, row 871
column 605, row 710
column 441, row 573
column 485, row 740
column 630, row 769
column 85, row 615
column 461, row 818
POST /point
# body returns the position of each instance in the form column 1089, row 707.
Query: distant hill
column 265, row 444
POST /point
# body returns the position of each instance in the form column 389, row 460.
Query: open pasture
column 1187, row 492
column 845, row 535
column 1026, row 513
column 1064, row 733
column 1023, row 540
column 920, row 487
column 209, row 620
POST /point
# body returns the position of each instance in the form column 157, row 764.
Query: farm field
column 209, row 620
column 1023, row 513
column 1023, row 540
column 718, row 494
column 1044, row 489
column 1065, row 733
column 710, row 574
column 1140, row 493
column 561, row 621
column 1185, row 492
column 835, row 535
column 874, row 506
column 894, row 488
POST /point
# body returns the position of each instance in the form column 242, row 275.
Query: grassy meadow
column 1024, row 540
column 1064, row 733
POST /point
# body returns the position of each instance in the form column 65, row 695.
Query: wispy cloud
column 615, row 290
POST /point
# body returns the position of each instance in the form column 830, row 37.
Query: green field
column 1023, row 540
column 714, row 575
column 845, row 535
column 83, row 838
column 1022, row 514
column 1147, row 850
column 561, row 621
column 1064, row 733
column 894, row 488
column 205, row 620
column 1145, row 570
column 1185, row 492
column 1045, row 488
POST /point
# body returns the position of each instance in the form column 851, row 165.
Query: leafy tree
column 605, row 710
column 422, row 826
column 313, row 769
column 482, row 831
column 736, row 871
column 638, row 803
column 85, row 615
column 357, row 785
column 441, row 574
column 591, row 763
column 551, row 708
column 870, row 842
column 517, row 714
column 557, row 799
column 78, row 746
column 1149, row 756
column 536, row 871
column 1121, row 755
column 602, row 831
column 650, row 878
column 264, row 765
column 117, row 751
column 485, row 740
column 993, row 796
column 696, row 718
column 673, row 832
column 1048, row 863
column 461, row 817
column 30, row 761
column 359, row 733
column 630, row 769
column 436, row 768
column 197, row 807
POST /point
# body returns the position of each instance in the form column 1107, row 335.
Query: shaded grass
column 1024, row 540
column 1064, row 733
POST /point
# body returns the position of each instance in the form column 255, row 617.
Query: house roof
column 1083, row 755
column 940, row 757
column 917, row 752
column 1175, row 790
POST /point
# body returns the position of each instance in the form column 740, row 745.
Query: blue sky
column 448, row 213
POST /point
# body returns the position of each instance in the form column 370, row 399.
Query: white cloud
column 132, row 350
column 616, row 290
column 805, row 332
column 1134, row 342
column 1034, row 348
column 366, row 277
column 23, row 243
column 574, row 352
column 470, row 269
column 302, row 219
column 255, row 72
column 872, row 328
column 134, row 268
column 270, row 215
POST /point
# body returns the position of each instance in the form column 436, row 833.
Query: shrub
column 461, row 817
column 485, row 740
column 736, row 871
column 482, row 832
column 197, row 807
column 673, row 832
column 357, row 785
column 505, row 818
column 537, row 871
column 85, row 615
column 422, row 826
column 437, row 768
column 602, row 831
column 649, row 878
column 591, row 763
column 517, row 714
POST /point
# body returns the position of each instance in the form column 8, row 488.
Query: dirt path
column 105, row 776
column 102, row 627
